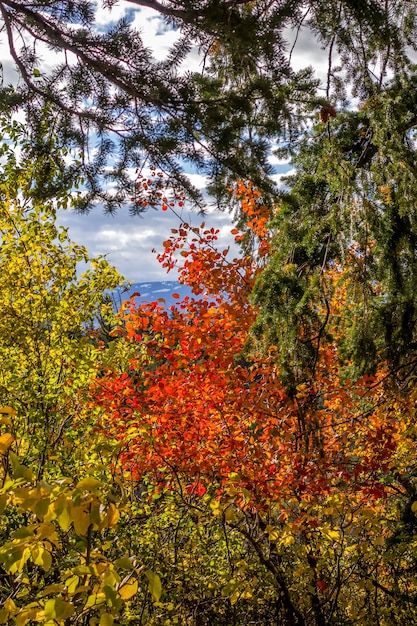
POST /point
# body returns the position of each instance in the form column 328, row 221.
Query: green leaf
column 19, row 470
column 14, row 557
column 58, row 609
column 230, row 514
column 41, row 507
column 106, row 619
column 95, row 599
column 51, row 589
column 112, row 598
column 154, row 584
column 124, row 563
column 23, row 532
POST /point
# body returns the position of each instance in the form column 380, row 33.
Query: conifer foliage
column 223, row 119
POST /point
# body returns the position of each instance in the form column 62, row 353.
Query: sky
column 127, row 241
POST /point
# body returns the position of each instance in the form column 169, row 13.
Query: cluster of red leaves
column 152, row 191
column 190, row 407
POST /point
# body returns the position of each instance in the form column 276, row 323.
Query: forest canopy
column 108, row 89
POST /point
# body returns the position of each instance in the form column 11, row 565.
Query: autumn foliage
column 305, row 473
column 197, row 408
column 187, row 479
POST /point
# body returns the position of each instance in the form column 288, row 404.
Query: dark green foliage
column 109, row 91
column 350, row 203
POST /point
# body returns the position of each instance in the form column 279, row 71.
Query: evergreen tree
column 351, row 201
column 108, row 88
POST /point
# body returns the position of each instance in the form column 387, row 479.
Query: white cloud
column 308, row 52
column 105, row 17
column 128, row 241
column 199, row 181
column 154, row 33
column 278, row 177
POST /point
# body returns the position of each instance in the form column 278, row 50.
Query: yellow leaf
column 106, row 619
column 71, row 584
column 414, row 507
column 29, row 615
column 42, row 557
column 113, row 515
column 48, row 531
column 10, row 607
column 128, row 590
column 215, row 507
column 7, row 410
column 81, row 520
column 89, row 484
column 333, row 534
column 6, row 441
column 287, row 540
column 62, row 513
column 273, row 533
column 3, row 502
